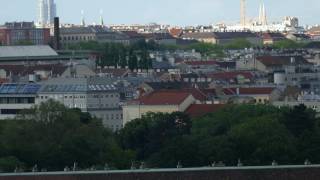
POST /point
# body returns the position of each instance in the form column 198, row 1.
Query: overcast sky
column 175, row 12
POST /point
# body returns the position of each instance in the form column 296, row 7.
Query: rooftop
column 19, row 88
column 164, row 98
column 282, row 60
column 26, row 51
column 249, row 91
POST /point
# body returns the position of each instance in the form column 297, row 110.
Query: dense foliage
column 255, row 134
column 287, row 44
column 54, row 137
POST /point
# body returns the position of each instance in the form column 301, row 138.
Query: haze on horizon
column 174, row 12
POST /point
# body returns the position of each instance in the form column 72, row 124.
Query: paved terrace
column 299, row 172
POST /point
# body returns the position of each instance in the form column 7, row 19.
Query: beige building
column 159, row 101
column 257, row 95
column 223, row 38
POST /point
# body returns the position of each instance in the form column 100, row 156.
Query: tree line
column 52, row 138
column 134, row 56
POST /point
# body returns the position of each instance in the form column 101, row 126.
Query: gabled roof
column 282, row 60
column 198, row 110
column 164, row 98
column 175, row 32
column 84, row 30
column 196, row 93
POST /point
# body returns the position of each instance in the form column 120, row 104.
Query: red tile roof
column 164, row 98
column 175, row 32
column 198, row 110
column 281, row 60
column 196, row 93
column 249, row 91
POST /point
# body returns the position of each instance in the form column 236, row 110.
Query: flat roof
column 26, row 51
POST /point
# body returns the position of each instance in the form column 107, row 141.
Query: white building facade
column 47, row 10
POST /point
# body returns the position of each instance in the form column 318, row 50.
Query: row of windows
column 112, row 105
column 77, row 96
column 110, row 116
column 61, row 96
column 17, row 100
column 106, row 96
column 77, row 38
column 197, row 80
column 10, row 111
column 76, row 105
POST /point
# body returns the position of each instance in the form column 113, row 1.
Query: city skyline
column 191, row 12
column 47, row 12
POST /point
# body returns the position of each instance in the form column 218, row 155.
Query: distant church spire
column 101, row 18
column 262, row 15
column 83, row 23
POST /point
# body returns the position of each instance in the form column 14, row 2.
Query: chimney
column 56, row 33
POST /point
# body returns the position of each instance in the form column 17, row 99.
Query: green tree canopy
column 53, row 137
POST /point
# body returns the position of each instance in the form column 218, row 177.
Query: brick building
column 17, row 33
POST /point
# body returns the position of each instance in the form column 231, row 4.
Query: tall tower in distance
column 43, row 13
column 263, row 15
column 47, row 12
column 243, row 13
column 52, row 8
